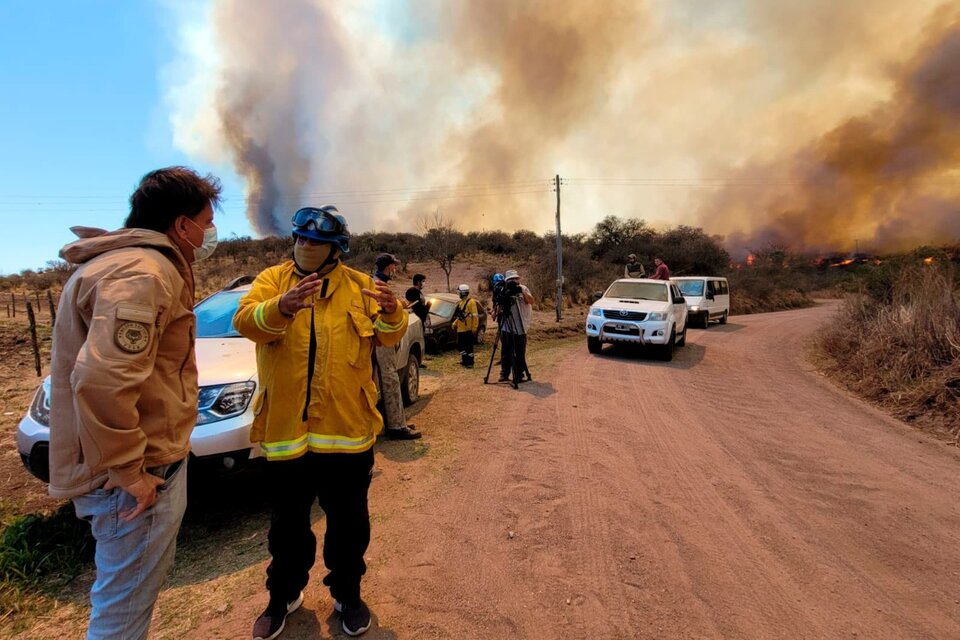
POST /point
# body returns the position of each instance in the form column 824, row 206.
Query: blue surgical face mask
column 209, row 244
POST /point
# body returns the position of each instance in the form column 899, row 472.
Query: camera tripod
column 514, row 361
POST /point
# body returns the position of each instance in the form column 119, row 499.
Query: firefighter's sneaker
column 355, row 619
column 270, row 623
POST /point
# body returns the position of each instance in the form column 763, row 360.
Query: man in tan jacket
column 124, row 389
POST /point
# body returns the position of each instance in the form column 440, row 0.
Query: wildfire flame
column 928, row 260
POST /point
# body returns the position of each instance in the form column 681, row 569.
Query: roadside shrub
column 898, row 344
column 36, row 549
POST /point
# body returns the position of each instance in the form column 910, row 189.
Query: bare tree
column 442, row 242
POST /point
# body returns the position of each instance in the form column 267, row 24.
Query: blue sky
column 81, row 119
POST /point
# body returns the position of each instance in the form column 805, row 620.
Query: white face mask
column 209, row 244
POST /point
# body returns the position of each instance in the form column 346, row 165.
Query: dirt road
column 731, row 493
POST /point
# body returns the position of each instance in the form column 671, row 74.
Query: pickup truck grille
column 624, row 315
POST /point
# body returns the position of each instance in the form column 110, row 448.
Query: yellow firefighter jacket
column 467, row 310
column 316, row 374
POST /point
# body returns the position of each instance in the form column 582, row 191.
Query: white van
column 708, row 298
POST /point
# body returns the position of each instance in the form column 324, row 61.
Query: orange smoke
column 888, row 178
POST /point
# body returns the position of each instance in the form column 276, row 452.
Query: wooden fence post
column 33, row 337
column 53, row 308
column 13, row 303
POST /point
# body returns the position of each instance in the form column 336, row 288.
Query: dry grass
column 898, row 344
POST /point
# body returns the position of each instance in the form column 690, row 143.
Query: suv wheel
column 705, row 320
column 666, row 350
column 410, row 381
column 594, row 345
column 723, row 318
column 682, row 339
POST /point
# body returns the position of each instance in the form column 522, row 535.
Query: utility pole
column 559, row 254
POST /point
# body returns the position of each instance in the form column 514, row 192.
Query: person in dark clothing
column 515, row 321
column 633, row 269
column 662, row 272
column 417, row 304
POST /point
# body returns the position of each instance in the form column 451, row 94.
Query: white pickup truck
column 641, row 311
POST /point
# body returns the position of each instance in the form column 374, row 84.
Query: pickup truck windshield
column 638, row 291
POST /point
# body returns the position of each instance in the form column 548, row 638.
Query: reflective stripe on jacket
column 471, row 316
column 331, row 405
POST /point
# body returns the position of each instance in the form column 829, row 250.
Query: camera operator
column 515, row 315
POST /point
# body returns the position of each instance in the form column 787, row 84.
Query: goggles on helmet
column 323, row 221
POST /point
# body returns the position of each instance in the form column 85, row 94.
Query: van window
column 723, row 288
column 712, row 287
column 691, row 287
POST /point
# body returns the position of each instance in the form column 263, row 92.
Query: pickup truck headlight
column 223, row 401
column 657, row 317
column 595, row 311
column 695, row 307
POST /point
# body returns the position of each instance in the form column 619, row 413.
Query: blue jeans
column 132, row 558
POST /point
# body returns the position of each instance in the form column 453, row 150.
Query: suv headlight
column 595, row 311
column 657, row 317
column 40, row 407
column 223, row 401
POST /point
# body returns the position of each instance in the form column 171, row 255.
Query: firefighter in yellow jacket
column 466, row 321
column 315, row 322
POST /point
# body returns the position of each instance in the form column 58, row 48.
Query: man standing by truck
column 394, row 420
column 124, row 390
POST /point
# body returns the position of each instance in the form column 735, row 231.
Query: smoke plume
column 811, row 124
column 887, row 180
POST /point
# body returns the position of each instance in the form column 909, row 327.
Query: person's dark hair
column 166, row 194
column 418, row 278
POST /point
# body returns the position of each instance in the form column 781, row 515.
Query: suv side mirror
column 597, row 295
column 679, row 300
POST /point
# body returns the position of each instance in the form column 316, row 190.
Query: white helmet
column 463, row 290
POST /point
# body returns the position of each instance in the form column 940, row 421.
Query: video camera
column 505, row 293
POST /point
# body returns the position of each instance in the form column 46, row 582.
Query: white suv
column 227, row 367
column 649, row 312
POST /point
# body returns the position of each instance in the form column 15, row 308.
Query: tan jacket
column 124, row 374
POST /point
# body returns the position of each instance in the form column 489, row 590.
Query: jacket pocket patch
column 132, row 337
column 136, row 313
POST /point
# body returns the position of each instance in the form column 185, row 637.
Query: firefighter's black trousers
column 339, row 482
column 465, row 347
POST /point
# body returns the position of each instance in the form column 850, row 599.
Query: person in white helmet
column 466, row 320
